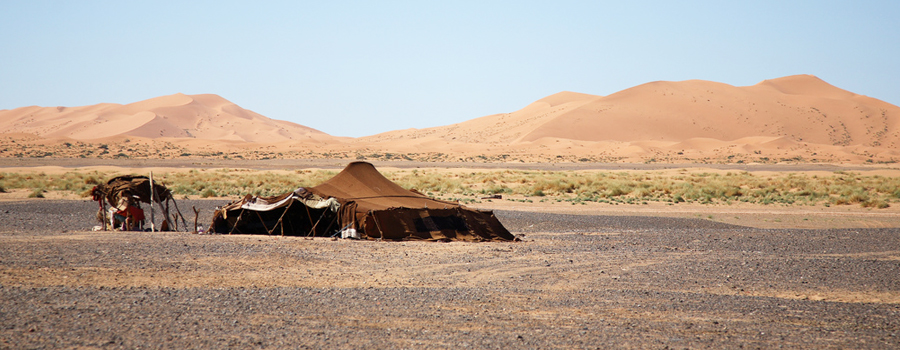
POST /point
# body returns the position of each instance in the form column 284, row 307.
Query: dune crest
column 207, row 117
column 805, row 85
column 795, row 118
column 802, row 108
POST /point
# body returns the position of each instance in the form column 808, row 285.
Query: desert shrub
column 732, row 191
column 91, row 180
column 36, row 193
column 880, row 204
column 558, row 185
column 642, row 192
column 858, row 196
column 578, row 186
column 496, row 189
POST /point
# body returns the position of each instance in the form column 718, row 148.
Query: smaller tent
column 359, row 199
column 124, row 194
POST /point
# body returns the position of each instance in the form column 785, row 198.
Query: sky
column 357, row 68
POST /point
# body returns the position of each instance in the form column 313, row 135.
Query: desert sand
column 791, row 119
column 179, row 116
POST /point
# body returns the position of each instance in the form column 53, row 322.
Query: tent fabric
column 380, row 208
column 300, row 195
column 277, row 214
column 124, row 191
column 130, row 186
column 360, row 198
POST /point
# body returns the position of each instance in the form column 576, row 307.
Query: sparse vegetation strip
column 566, row 187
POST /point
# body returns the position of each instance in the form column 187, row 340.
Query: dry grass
column 238, row 182
column 640, row 187
column 838, row 188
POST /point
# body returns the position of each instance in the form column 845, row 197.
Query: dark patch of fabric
column 439, row 223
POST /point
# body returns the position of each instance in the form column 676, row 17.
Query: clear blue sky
column 364, row 67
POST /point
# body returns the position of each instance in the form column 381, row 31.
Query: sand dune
column 206, row 117
column 499, row 128
column 792, row 116
column 800, row 108
column 795, row 118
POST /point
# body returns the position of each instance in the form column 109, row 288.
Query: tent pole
column 184, row 223
column 152, row 198
column 196, row 214
column 263, row 222
column 241, row 215
column 380, row 232
column 332, row 222
column 103, row 212
column 308, row 215
column 313, row 229
column 165, row 206
column 281, row 218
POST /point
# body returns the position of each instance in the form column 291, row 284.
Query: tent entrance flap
column 295, row 219
column 297, row 213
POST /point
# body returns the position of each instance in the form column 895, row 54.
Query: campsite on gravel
column 587, row 274
column 449, row 175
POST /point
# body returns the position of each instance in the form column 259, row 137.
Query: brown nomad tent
column 359, row 198
column 131, row 190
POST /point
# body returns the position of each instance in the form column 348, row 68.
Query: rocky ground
column 576, row 281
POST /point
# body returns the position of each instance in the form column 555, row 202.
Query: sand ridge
column 204, row 117
column 796, row 116
column 790, row 119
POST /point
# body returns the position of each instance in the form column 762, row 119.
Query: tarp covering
column 276, row 202
column 311, row 216
column 130, row 186
column 368, row 203
column 126, row 192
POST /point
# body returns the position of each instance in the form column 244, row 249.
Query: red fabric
column 96, row 195
column 136, row 213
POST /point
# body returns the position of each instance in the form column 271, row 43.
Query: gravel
column 575, row 281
